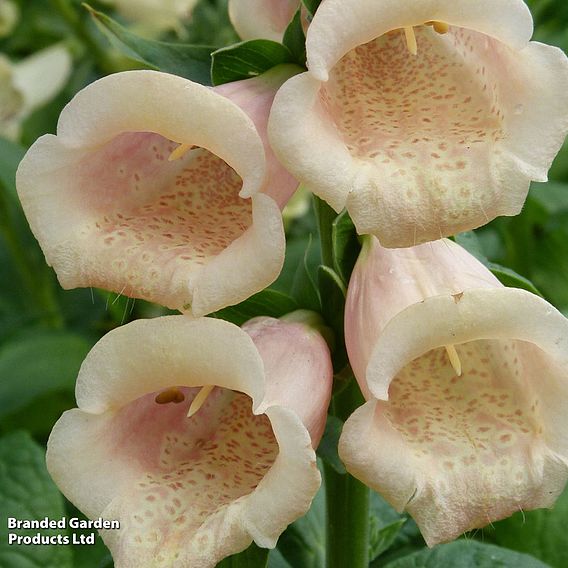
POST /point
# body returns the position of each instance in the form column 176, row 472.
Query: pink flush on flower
column 159, row 188
column 467, row 389
column 195, row 437
column 422, row 117
column 267, row 19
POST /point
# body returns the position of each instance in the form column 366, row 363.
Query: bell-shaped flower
column 152, row 17
column 466, row 384
column 267, row 19
column 422, row 117
column 196, row 438
column 160, row 188
column 29, row 84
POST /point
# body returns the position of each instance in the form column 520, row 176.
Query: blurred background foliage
column 45, row 331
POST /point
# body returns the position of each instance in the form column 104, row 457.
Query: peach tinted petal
column 186, row 490
column 267, row 19
column 466, row 382
column 425, row 145
column 110, row 207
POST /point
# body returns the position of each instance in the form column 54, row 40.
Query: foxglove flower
column 195, row 437
column 29, row 84
column 153, row 17
column 9, row 16
column 466, row 384
column 423, row 118
column 160, row 188
column 267, row 19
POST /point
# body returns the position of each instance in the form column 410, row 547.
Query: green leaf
column 346, row 246
column 276, row 560
column 252, row 557
column 304, row 289
column 332, row 293
column 247, row 59
column 381, row 539
column 311, row 5
column 508, row 277
column 27, row 492
column 466, row 554
column 327, row 449
column 405, row 541
column 10, row 156
column 269, row 302
column 36, row 365
column 295, row 40
column 303, row 543
column 542, row 533
column 471, row 243
column 189, row 61
column 552, row 196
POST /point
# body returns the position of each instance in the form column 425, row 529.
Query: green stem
column 325, row 216
column 347, row 501
column 347, row 498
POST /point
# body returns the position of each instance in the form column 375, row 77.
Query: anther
column 440, row 27
column 198, row 401
column 170, row 395
column 454, row 359
column 410, row 40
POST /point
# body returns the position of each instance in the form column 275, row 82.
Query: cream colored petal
column 248, row 265
column 471, row 382
column 508, row 21
column 451, row 480
column 150, row 101
column 267, row 19
column 364, row 438
column 535, row 97
column 42, row 75
column 427, row 145
column 499, row 313
column 298, row 369
column 194, row 352
column 111, row 210
column 306, row 141
column 188, row 491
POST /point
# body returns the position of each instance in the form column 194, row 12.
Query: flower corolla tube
column 466, row 384
column 423, row 118
column 159, row 188
column 195, row 435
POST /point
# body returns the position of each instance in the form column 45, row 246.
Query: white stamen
column 410, row 40
column 179, row 152
column 454, row 359
column 198, row 401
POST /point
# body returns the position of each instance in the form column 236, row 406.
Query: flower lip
column 508, row 21
column 499, row 313
column 239, row 367
column 133, row 101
